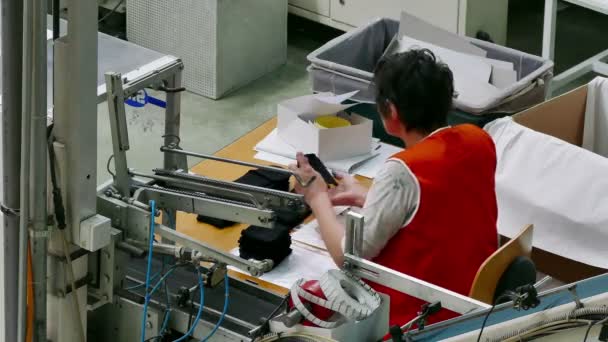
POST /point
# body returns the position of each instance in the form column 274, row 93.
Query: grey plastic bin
column 347, row 62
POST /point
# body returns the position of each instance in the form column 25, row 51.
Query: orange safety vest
column 454, row 228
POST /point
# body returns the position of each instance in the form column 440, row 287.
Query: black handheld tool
column 318, row 166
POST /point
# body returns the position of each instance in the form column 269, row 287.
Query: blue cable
column 161, row 280
column 165, row 322
column 142, row 284
column 149, row 268
column 200, row 308
column 219, row 322
column 138, row 101
column 168, row 309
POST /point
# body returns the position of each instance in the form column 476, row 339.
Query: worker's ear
column 394, row 113
column 392, row 122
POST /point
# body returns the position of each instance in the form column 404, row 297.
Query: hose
column 148, row 270
column 555, row 326
column 569, row 317
column 200, row 308
column 226, row 301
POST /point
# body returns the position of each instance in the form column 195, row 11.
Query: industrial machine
column 103, row 268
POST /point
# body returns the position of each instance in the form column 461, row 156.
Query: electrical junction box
column 95, row 232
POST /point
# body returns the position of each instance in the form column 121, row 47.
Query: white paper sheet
column 274, row 158
column 471, row 73
column 595, row 134
column 336, row 99
column 558, row 187
column 371, row 167
column 503, row 77
column 414, row 27
column 304, row 262
column 308, row 233
column 475, row 94
column 462, row 65
column 273, row 149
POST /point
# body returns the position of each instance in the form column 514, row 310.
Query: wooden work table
column 227, row 239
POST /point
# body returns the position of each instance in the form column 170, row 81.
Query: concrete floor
column 208, row 125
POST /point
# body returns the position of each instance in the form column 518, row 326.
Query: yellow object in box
column 331, row 121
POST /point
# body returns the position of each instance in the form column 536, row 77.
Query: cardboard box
column 562, row 117
column 295, row 127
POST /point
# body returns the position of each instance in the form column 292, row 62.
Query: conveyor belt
column 248, row 303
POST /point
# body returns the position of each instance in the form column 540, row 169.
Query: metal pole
column 354, row 234
column 172, row 128
column 172, row 120
column 75, row 132
column 12, row 47
column 120, row 133
column 38, row 167
column 549, row 29
column 25, row 166
column 302, row 182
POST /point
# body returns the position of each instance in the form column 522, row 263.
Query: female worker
column 431, row 212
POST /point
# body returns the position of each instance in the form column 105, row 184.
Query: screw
column 149, row 325
column 107, row 278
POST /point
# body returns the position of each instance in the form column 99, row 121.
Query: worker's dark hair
column 418, row 85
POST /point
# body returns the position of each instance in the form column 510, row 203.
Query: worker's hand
column 306, row 172
column 349, row 191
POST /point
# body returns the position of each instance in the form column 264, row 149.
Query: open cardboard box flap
column 562, row 117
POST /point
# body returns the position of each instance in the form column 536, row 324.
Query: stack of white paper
column 275, row 150
column 309, row 234
column 476, row 78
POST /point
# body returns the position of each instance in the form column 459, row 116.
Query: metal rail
column 254, row 267
column 238, row 162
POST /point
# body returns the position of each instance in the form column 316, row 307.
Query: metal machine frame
column 80, row 269
column 366, row 269
column 124, row 203
column 179, row 190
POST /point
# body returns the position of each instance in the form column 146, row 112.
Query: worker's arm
column 391, row 203
column 348, row 192
column 317, row 196
column 331, row 230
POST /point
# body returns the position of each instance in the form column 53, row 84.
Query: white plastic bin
column 346, row 63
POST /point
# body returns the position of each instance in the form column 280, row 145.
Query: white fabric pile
column 561, row 188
